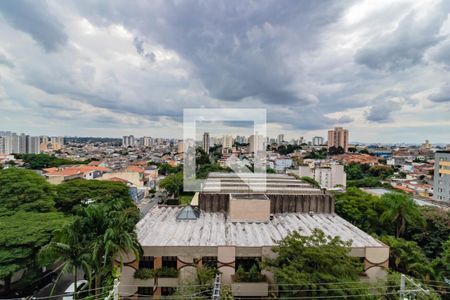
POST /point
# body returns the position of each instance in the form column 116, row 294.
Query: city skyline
column 76, row 68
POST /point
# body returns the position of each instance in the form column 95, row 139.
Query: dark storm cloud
column 304, row 61
column 405, row 46
column 382, row 110
column 139, row 45
column 33, row 17
column 443, row 95
column 239, row 49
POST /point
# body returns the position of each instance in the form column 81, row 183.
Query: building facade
column 206, row 142
column 230, row 228
column 328, row 175
column 441, row 188
column 317, row 141
column 338, row 137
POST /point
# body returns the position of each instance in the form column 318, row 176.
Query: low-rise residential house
column 64, row 173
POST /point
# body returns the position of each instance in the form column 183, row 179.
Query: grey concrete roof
column 270, row 183
column 160, row 228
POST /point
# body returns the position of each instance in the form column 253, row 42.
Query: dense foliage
column 81, row 224
column 24, row 190
column 172, row 183
column 316, row 265
column 317, row 154
column 364, row 175
column 287, row 149
column 418, row 237
column 27, row 221
column 72, row 193
column 41, row 161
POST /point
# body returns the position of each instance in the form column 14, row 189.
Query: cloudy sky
column 108, row 68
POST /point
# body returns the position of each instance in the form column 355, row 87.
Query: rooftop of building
column 160, row 227
column 268, row 183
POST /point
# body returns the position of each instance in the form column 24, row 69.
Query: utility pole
column 408, row 293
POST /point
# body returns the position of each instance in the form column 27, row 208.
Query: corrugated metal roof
column 161, row 228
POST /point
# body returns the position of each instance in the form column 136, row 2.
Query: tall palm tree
column 68, row 247
column 111, row 236
column 400, row 210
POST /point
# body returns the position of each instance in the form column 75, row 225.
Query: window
column 167, row 291
column 169, row 262
column 247, row 262
column 145, row 290
column 146, row 262
column 209, row 261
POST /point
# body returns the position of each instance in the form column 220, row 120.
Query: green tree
column 400, row 211
column 316, row 265
column 408, row 258
column 381, row 171
column 166, row 169
column 24, row 190
column 72, row 193
column 41, row 161
column 110, row 235
column 21, row 237
column 442, row 263
column 68, row 247
column 435, row 232
column 172, row 183
column 336, row 150
column 359, row 208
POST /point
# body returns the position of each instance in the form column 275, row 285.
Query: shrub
column 167, row 272
column 144, row 273
column 254, row 275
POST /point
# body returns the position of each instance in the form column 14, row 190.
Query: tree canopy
column 307, row 263
column 24, row 190
column 71, row 193
column 41, row 161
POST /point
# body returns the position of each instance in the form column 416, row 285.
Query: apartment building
column 441, row 186
column 230, row 228
column 328, row 174
column 338, row 137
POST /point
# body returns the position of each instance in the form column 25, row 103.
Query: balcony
column 248, row 284
column 167, row 277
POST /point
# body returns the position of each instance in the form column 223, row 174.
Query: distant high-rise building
column 280, row 139
column 146, row 141
column 241, row 139
column 10, row 143
column 317, row 141
column 22, row 143
column 128, row 141
column 441, row 187
column 57, row 142
column 6, row 142
column 206, row 141
column 255, row 143
column 33, row 145
column 338, row 137
column 15, row 143
column 227, row 142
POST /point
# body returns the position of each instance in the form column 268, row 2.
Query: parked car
column 81, row 286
